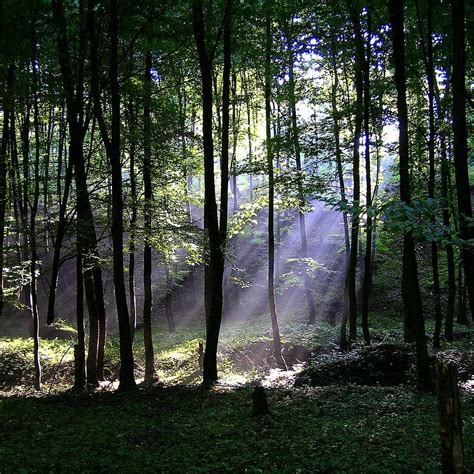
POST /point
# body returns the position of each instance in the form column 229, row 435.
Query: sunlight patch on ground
column 282, row 378
column 468, row 387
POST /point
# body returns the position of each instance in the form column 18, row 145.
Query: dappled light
column 236, row 236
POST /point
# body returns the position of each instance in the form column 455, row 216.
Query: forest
column 236, row 236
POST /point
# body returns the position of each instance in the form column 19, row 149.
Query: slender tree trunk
column 133, row 220
column 7, row 108
column 428, row 58
column 86, row 234
column 235, row 200
column 150, row 372
column 367, row 278
column 271, row 188
column 80, row 347
column 301, row 197
column 413, row 311
column 33, row 214
column 225, row 130
column 249, row 132
column 169, row 300
column 466, row 231
column 450, row 262
column 337, row 145
column 452, row 445
column 359, row 85
column 214, row 267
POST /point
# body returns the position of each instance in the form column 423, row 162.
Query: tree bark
column 150, row 372
column 430, row 74
column 133, row 220
column 7, row 108
column 367, row 278
column 452, row 448
column 466, row 231
column 33, row 214
column 112, row 146
column 214, row 266
column 301, row 197
column 86, row 234
column 413, row 311
column 271, row 186
column 127, row 380
column 355, row 220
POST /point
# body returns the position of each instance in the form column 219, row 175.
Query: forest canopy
column 300, row 170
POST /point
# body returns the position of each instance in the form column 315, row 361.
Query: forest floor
column 353, row 412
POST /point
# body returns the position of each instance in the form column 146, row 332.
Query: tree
column 412, row 305
column 112, row 145
column 214, row 270
column 466, row 231
column 150, row 372
column 271, row 186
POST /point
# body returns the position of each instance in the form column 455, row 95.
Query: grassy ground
column 176, row 428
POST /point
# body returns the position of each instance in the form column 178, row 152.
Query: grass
column 184, row 428
column 176, row 429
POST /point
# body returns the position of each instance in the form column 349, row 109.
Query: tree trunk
column 33, row 214
column 7, row 107
column 466, row 231
column 80, row 347
column 413, row 311
column 367, row 278
column 271, row 189
column 214, row 267
column 301, row 197
column 428, row 59
column 150, row 372
column 249, row 132
column 448, row 327
column 86, row 234
column 337, row 145
column 359, row 85
column 133, row 220
column 452, row 449
column 225, row 130
column 169, row 300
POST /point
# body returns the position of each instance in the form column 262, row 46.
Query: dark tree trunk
column 169, row 300
column 150, row 372
column 428, row 59
column 235, row 200
column 80, row 347
column 214, row 267
column 271, row 188
column 450, row 262
column 7, row 108
column 337, row 145
column 225, row 130
column 133, row 220
column 452, row 448
column 86, row 234
column 367, row 278
column 33, row 214
column 301, row 197
column 463, row 192
column 127, row 380
column 112, row 147
column 359, row 85
column 413, row 311
column 249, row 132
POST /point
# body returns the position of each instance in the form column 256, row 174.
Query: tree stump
column 452, row 456
column 201, row 357
column 260, row 403
column 79, row 368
